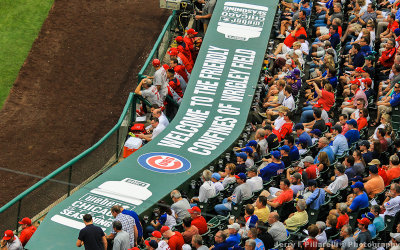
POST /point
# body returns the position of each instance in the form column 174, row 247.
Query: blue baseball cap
column 241, row 176
column 316, row 132
column 397, row 32
column 252, row 143
column 248, row 150
column 352, row 122
column 358, row 184
column 356, row 178
column 285, row 147
column 302, row 140
column 296, row 71
column 369, row 216
column 216, row 176
column 276, row 154
column 242, row 155
column 162, row 219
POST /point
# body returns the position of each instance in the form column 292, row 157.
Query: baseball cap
column 242, row 155
column 356, row 178
column 179, row 39
column 364, row 221
column 308, row 159
column 369, row 216
column 285, row 148
column 156, row 62
column 291, row 76
column 241, row 176
column 316, row 132
column 312, row 183
column 268, row 127
column 247, row 149
column 194, row 209
column 8, row 234
column 156, row 234
column 276, row 154
column 374, row 162
column 355, row 81
column 397, row 32
column 300, row 164
column 25, row 221
column 235, row 226
column 358, row 184
column 337, row 127
column 302, row 140
column 352, row 122
column 134, row 248
column 373, row 169
column 252, row 143
column 192, row 31
column 296, row 72
column 298, row 126
column 164, row 229
column 173, row 51
column 302, row 36
column 364, row 143
column 340, row 168
column 360, row 70
column 367, row 81
column 216, row 176
column 253, row 169
column 289, row 62
column 151, row 243
column 395, row 236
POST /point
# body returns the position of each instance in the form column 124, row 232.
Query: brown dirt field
column 73, row 85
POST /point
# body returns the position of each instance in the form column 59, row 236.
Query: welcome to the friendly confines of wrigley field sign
column 212, row 115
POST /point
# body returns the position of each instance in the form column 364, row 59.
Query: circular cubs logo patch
column 164, row 163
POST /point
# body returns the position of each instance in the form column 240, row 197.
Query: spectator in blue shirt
column 294, row 154
column 358, row 57
column 339, row 144
column 323, row 145
column 352, row 135
column 274, row 168
column 302, row 134
column 220, row 241
column 350, row 170
column 234, row 236
column 317, row 198
column 365, row 48
column 361, row 198
column 335, row 37
column 306, row 7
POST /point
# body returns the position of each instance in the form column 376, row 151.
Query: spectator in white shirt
column 392, row 201
column 254, row 181
column 341, row 181
column 288, row 102
column 207, row 190
column 157, row 129
column 161, row 117
column 215, row 178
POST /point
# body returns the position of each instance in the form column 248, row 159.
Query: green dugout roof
column 211, row 117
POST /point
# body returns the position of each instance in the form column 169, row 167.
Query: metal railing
column 160, row 47
column 37, row 200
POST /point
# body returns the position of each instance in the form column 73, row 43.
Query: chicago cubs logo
column 164, row 163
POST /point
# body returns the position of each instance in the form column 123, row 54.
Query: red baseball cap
column 134, row 248
column 192, row 31
column 367, row 81
column 179, row 39
column 8, row 234
column 359, row 69
column 355, row 81
column 194, row 209
column 156, row 62
column 364, row 221
column 173, row 51
column 156, row 234
column 26, row 221
column 164, row 229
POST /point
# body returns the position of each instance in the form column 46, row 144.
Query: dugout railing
column 50, row 190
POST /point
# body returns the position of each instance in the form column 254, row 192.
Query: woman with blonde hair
column 228, row 174
column 324, row 162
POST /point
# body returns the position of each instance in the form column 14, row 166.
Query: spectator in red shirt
column 311, row 168
column 287, row 127
column 291, row 38
column 27, row 230
column 192, row 41
column 393, row 171
column 311, row 243
column 174, row 82
column 389, row 32
column 183, row 48
column 198, row 220
column 343, row 218
column 387, row 58
column 362, row 121
column 180, row 72
column 175, row 239
column 174, row 53
column 284, row 196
